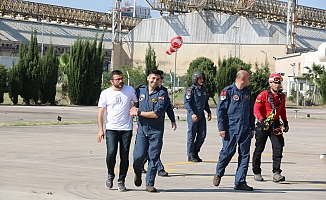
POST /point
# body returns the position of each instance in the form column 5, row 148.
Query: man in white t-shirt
column 115, row 103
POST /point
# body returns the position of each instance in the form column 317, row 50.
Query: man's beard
column 118, row 85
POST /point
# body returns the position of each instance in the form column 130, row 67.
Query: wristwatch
column 138, row 113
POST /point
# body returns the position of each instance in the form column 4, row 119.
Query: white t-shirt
column 118, row 104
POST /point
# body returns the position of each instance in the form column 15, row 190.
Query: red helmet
column 275, row 77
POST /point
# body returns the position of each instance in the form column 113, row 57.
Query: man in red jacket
column 268, row 109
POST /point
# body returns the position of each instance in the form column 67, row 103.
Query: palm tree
column 313, row 76
column 62, row 75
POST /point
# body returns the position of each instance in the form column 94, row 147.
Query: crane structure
column 271, row 10
column 26, row 10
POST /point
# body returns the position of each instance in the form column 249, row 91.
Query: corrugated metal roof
column 59, row 35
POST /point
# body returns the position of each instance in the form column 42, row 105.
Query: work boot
column 277, row 177
column 258, row 177
column 162, row 173
column 192, row 159
column 151, row 189
column 137, row 180
column 216, row 180
column 243, row 187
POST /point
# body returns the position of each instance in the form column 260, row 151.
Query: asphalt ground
column 59, row 161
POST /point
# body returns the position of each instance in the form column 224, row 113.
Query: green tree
column 227, row 71
column 313, row 76
column 206, row 66
column 76, row 72
column 150, row 59
column 98, row 63
column 30, row 70
column 3, row 82
column 322, row 86
column 259, row 80
column 15, row 79
column 136, row 76
column 49, row 76
column 85, row 71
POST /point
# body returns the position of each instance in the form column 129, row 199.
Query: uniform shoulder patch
column 223, row 95
column 188, row 93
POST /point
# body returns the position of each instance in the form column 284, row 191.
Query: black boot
column 197, row 157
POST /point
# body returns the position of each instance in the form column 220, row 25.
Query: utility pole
column 235, row 28
column 116, row 28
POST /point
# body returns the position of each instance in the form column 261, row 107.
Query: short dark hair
column 115, row 72
column 156, row 71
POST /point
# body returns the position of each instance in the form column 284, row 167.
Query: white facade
column 7, row 61
column 293, row 66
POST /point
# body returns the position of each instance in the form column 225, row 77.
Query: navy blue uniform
column 169, row 109
column 170, row 113
column 150, row 131
column 236, row 118
column 196, row 101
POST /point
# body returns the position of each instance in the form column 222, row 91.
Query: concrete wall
column 212, row 35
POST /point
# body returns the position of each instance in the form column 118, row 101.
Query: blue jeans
column 113, row 137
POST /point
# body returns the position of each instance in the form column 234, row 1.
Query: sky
column 105, row 5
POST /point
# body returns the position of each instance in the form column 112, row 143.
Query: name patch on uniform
column 161, row 98
column 236, row 98
column 247, row 96
column 223, row 95
column 153, row 100
column 188, row 95
column 141, row 97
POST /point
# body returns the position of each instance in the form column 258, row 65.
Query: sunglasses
column 278, row 79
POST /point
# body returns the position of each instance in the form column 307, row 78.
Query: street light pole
column 235, row 28
column 265, row 56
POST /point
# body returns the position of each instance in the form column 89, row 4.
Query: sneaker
column 192, row 159
column 162, row 173
column 143, row 171
column 243, row 187
column 258, row 177
column 109, row 182
column 151, row 189
column 216, row 180
column 121, row 186
column 277, row 177
column 137, row 180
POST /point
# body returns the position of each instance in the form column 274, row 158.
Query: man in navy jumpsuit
column 196, row 101
column 152, row 104
column 236, row 125
column 169, row 111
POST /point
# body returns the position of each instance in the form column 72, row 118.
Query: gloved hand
column 286, row 126
column 264, row 124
